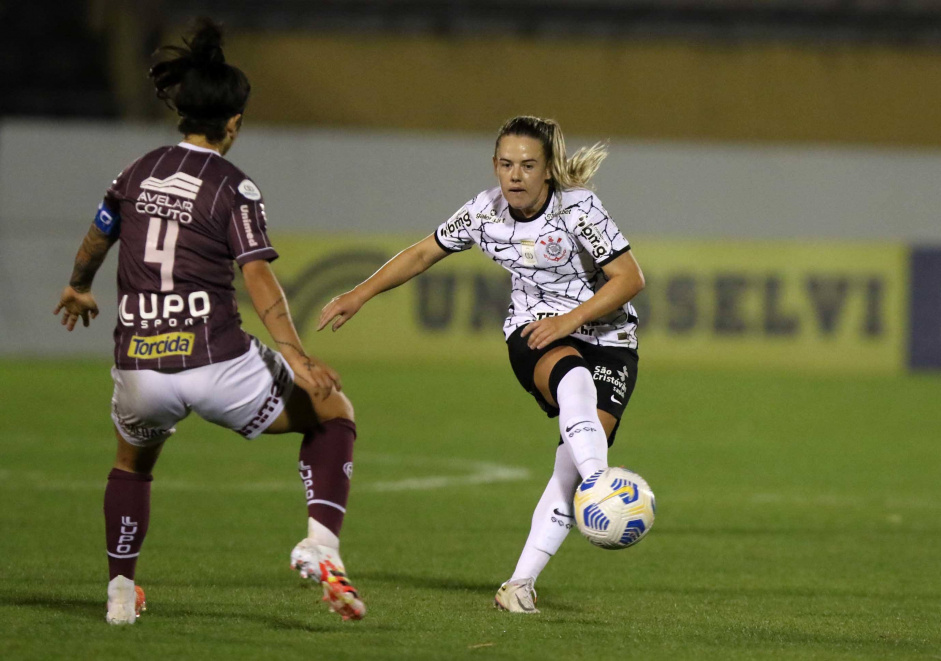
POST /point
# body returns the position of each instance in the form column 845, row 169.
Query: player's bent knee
column 136, row 458
column 337, row 405
column 563, row 366
column 544, row 367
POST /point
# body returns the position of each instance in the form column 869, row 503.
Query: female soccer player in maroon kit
column 183, row 214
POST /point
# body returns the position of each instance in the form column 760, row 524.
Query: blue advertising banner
column 925, row 316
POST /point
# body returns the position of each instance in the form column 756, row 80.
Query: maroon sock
column 326, row 466
column 127, row 513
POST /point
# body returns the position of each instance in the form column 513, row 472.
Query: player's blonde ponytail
column 566, row 173
column 577, row 171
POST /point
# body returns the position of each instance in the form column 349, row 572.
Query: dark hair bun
column 206, row 44
column 196, row 82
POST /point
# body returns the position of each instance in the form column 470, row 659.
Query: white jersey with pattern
column 555, row 258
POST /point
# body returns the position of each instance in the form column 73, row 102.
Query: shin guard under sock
column 127, row 515
column 326, row 467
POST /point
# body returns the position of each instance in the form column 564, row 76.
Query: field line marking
column 474, row 473
column 483, row 473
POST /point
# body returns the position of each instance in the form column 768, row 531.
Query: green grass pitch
column 799, row 517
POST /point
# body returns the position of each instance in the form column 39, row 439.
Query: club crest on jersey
column 553, row 249
column 249, row 190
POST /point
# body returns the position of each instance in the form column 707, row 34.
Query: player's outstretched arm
column 272, row 307
column 400, row 269
column 76, row 299
column 625, row 281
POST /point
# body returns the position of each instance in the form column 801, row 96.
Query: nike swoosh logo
column 558, row 513
column 616, row 401
column 568, row 429
column 502, row 249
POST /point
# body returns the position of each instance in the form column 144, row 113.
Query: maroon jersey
column 183, row 214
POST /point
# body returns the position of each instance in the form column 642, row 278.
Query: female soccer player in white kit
column 183, row 214
column 571, row 330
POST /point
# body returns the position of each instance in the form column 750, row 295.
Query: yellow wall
column 760, row 305
column 598, row 87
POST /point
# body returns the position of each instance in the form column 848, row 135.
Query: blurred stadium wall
column 775, row 164
column 659, row 90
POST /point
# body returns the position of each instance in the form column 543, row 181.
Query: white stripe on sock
column 327, row 502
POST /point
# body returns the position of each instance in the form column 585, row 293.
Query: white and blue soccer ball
column 614, row 508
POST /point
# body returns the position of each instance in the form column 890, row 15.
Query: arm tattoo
column 278, row 302
column 90, row 256
column 291, row 345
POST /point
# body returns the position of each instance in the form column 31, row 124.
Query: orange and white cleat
column 321, row 563
column 126, row 601
column 140, row 601
column 339, row 593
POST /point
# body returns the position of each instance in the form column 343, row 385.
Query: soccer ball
column 614, row 508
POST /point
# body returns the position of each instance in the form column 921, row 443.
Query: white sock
column 552, row 519
column 321, row 534
column 578, row 421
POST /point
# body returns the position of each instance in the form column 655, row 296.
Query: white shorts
column 244, row 394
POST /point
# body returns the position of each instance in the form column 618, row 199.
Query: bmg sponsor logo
column 600, row 246
column 161, row 346
column 456, row 224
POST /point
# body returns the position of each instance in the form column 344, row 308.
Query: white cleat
column 125, row 601
column 517, row 596
column 316, row 562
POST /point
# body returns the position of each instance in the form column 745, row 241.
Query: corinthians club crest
column 554, row 249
